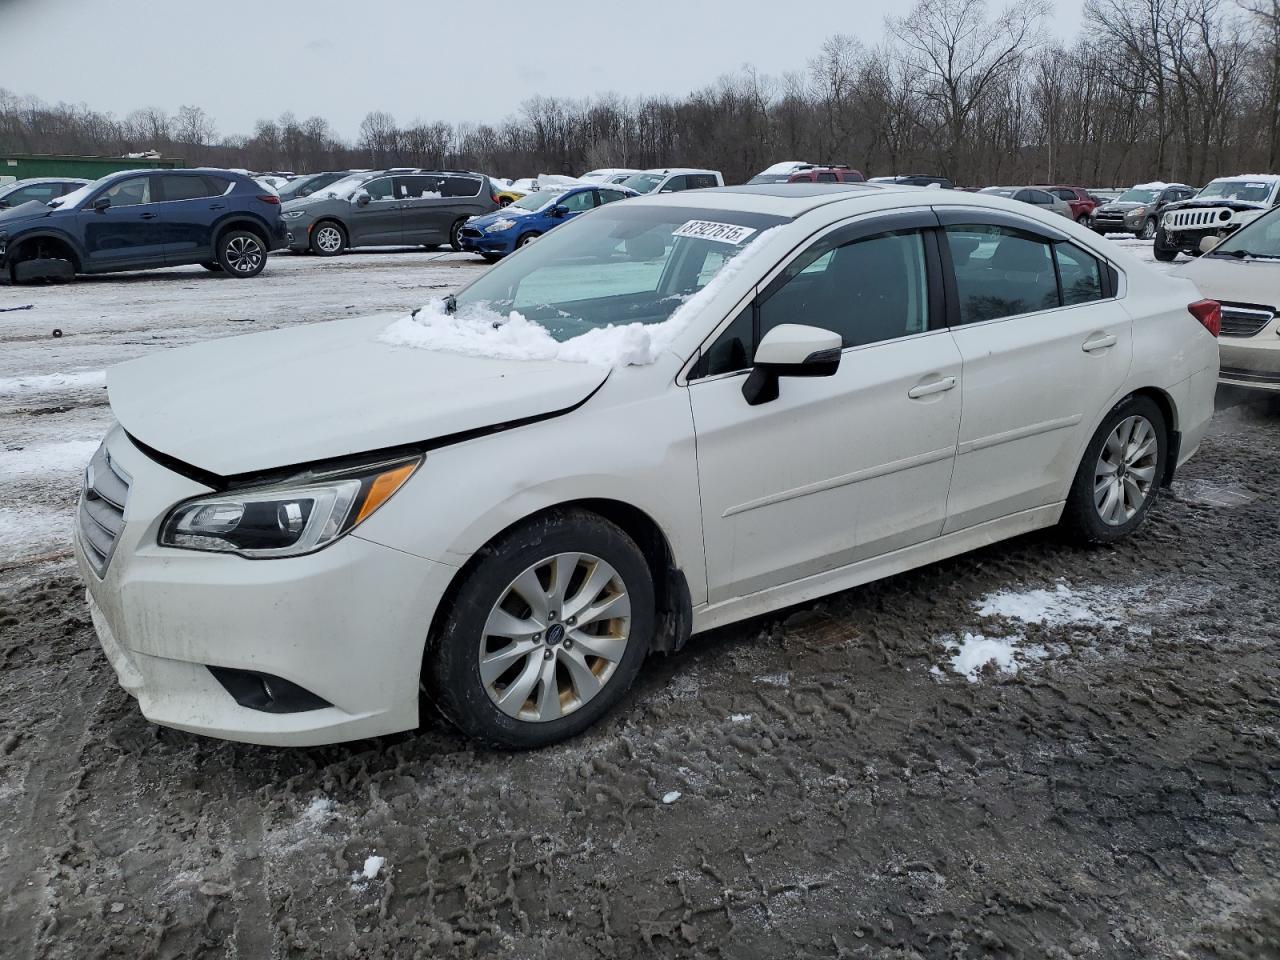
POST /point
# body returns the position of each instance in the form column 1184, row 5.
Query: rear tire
column 242, row 254
column 1119, row 478
column 454, row 240
column 550, row 660
column 328, row 239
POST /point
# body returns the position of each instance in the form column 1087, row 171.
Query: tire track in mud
column 1119, row 798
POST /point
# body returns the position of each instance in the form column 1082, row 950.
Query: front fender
column 44, row 232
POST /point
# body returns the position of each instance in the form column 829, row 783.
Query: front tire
column 241, row 254
column 526, row 239
column 328, row 239
column 545, row 634
column 1148, row 229
column 1119, row 478
column 1164, row 251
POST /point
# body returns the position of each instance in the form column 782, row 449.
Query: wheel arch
column 49, row 236
column 674, row 615
column 241, row 222
column 1173, row 433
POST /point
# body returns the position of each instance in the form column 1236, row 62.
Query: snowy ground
column 1029, row 751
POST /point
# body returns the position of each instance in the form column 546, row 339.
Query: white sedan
column 671, row 414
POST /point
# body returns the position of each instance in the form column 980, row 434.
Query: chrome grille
column 1245, row 319
column 102, row 501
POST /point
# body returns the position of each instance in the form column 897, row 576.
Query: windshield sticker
column 710, row 230
column 1252, row 186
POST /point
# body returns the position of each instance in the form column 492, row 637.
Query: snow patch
column 372, row 864
column 775, row 679
column 31, row 531
column 44, row 459
column 671, row 797
column 50, row 382
column 1055, row 607
column 476, row 330
column 739, row 717
column 972, row 652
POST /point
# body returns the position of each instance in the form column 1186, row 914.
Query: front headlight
column 1138, row 212
column 287, row 519
column 292, row 214
column 500, row 225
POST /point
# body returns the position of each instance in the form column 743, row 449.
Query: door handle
column 147, row 216
column 217, row 206
column 1099, row 343
column 932, row 387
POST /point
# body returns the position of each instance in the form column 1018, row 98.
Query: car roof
column 679, row 170
column 793, row 200
column 27, row 180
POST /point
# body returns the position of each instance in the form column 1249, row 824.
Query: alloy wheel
column 244, row 254
column 1148, row 230
column 329, row 239
column 1126, row 470
column 555, row 637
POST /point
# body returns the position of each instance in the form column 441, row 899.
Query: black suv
column 142, row 219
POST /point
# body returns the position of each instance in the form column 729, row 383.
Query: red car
column 1082, row 204
column 837, row 173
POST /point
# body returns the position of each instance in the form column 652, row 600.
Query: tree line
column 1179, row 90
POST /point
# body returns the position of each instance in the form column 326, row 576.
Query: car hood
column 31, row 210
column 1235, row 281
column 1122, row 206
column 316, row 203
column 1217, row 202
column 486, row 219
column 324, row 391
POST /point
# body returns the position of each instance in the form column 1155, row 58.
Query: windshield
column 644, row 182
column 70, row 201
column 290, row 191
column 345, row 188
column 1261, row 238
column 536, row 201
column 1138, row 196
column 616, row 267
column 1254, row 191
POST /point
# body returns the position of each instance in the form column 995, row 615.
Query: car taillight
column 495, row 198
column 1209, row 313
column 269, row 198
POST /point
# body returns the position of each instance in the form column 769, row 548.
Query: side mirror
column 1208, row 243
column 362, row 199
column 559, row 210
column 791, row 350
column 102, row 203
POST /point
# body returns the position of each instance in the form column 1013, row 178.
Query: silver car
column 387, row 208
column 1034, row 196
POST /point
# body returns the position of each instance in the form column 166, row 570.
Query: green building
column 20, row 166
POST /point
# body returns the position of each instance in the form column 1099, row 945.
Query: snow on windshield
column 1247, row 189
column 477, row 330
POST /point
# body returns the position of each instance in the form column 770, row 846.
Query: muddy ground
column 839, row 797
column 843, row 790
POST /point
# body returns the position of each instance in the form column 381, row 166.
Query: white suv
column 673, row 180
column 667, row 415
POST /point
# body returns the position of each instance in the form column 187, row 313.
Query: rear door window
column 1080, row 274
column 675, row 183
column 700, row 181
column 826, row 178
column 175, row 187
column 418, row 188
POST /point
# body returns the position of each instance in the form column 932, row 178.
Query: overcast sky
column 427, row 59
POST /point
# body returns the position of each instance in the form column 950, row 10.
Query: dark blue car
column 141, row 219
column 497, row 234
